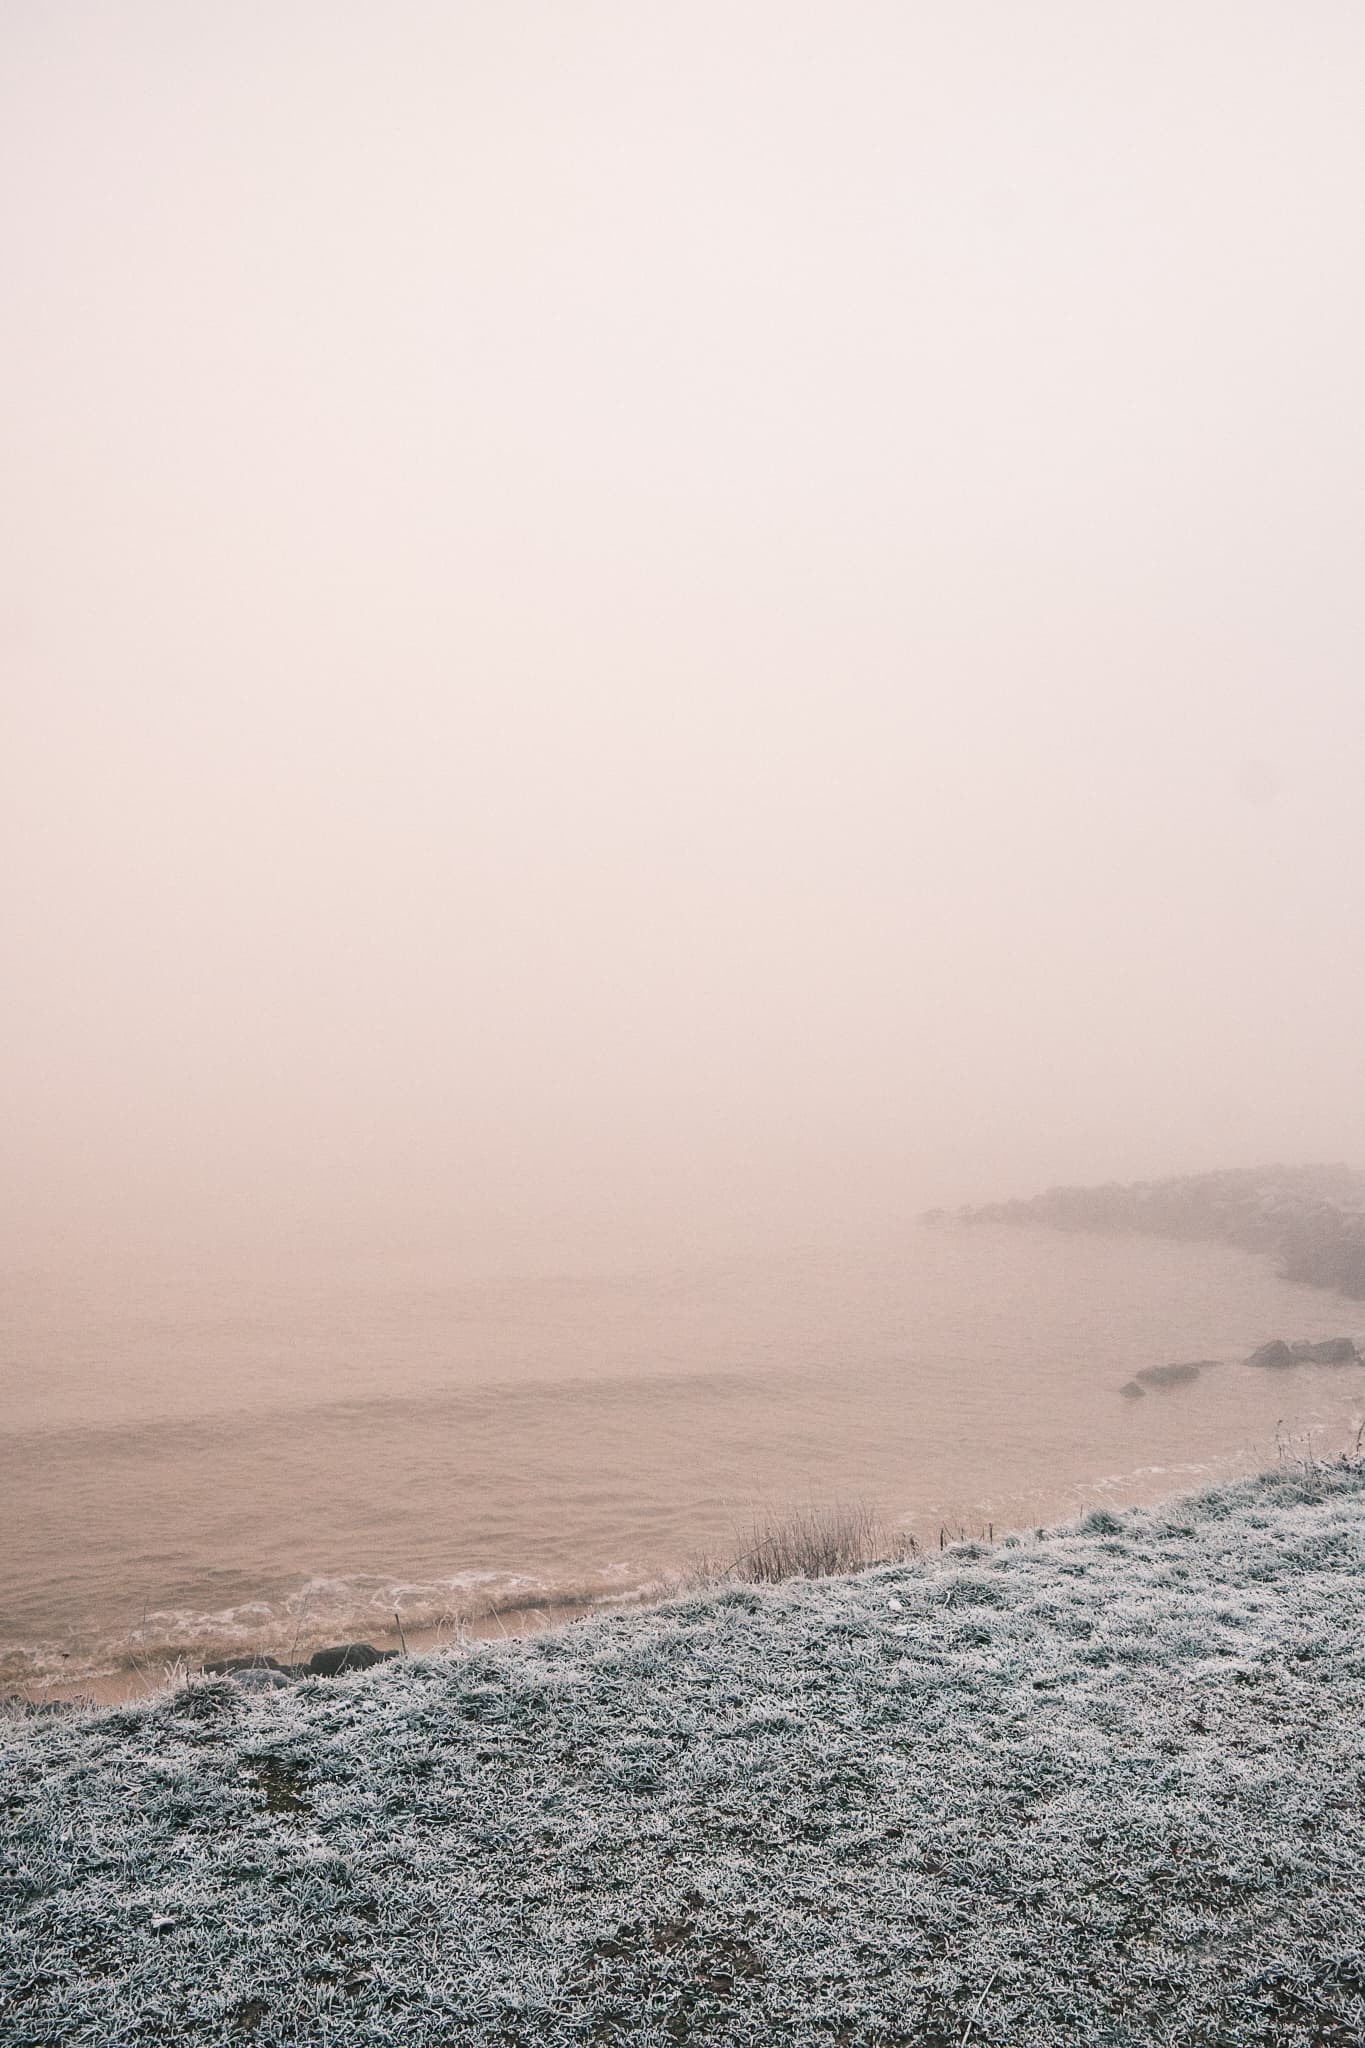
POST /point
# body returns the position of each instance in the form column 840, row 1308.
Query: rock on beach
column 329, row 1663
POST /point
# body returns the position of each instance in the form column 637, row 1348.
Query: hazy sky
column 697, row 610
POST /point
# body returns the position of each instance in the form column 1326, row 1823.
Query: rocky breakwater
column 1310, row 1218
column 1183, row 1374
column 1275, row 1356
column 1279, row 1356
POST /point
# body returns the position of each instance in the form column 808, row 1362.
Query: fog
column 669, row 625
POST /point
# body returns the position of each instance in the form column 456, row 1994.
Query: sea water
column 209, row 1456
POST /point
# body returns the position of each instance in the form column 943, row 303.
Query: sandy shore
column 143, row 1681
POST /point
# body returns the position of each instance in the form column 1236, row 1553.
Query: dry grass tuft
column 817, row 1541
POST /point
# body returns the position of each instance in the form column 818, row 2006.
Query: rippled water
column 210, row 1458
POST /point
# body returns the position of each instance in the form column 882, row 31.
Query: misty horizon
column 650, row 646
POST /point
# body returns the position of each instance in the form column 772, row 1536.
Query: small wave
column 477, row 1402
column 318, row 1612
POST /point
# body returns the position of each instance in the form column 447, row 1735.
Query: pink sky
column 745, row 611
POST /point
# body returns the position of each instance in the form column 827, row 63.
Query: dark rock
column 345, row 1657
column 1332, row 1351
column 230, row 1667
column 1276, row 1353
column 1131, row 1391
column 1173, row 1375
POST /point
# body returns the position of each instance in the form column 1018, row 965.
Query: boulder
column 1172, row 1375
column 345, row 1657
column 233, row 1667
column 1276, row 1353
column 1332, row 1351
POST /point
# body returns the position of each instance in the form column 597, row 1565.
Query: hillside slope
column 1103, row 1786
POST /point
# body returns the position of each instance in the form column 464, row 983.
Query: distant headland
column 1310, row 1218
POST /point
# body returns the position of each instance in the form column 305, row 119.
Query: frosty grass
column 1105, row 1787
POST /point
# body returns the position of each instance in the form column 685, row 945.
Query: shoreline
column 529, row 1618
column 139, row 1682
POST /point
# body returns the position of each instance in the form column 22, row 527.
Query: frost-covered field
column 1103, row 1787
